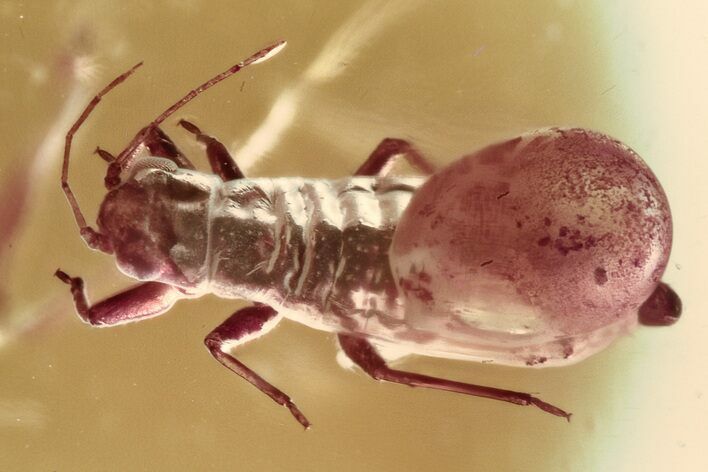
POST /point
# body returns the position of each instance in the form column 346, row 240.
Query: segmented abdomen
column 316, row 249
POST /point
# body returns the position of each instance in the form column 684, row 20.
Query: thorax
column 317, row 250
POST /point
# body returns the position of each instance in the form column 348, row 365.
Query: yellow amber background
column 450, row 76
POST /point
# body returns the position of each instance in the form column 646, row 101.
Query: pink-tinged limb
column 383, row 157
column 136, row 303
column 662, row 308
column 221, row 162
column 363, row 354
column 241, row 327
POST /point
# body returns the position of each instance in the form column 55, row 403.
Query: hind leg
column 363, row 354
column 383, row 157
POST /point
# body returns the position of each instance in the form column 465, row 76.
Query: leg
column 380, row 160
column 220, row 160
column 141, row 301
column 239, row 328
column 365, row 356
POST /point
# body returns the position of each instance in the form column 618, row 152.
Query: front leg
column 221, row 162
column 244, row 325
column 363, row 354
column 136, row 303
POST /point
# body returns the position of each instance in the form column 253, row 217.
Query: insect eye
column 138, row 168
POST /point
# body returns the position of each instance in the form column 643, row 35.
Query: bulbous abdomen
column 545, row 245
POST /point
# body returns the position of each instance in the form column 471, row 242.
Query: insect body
column 318, row 249
column 450, row 273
